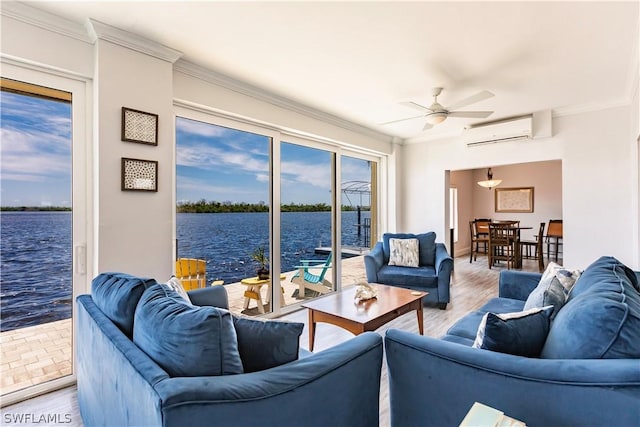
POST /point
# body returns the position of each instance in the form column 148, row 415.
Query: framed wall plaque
column 138, row 126
column 519, row 199
column 139, row 175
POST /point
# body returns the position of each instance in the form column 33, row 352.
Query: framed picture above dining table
column 514, row 200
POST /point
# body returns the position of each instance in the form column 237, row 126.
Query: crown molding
column 45, row 20
column 214, row 77
column 99, row 30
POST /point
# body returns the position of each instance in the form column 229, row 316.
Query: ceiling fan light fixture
column 489, row 182
column 436, row 118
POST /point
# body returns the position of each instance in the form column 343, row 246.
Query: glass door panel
column 36, row 280
column 305, row 222
column 357, row 215
column 223, row 193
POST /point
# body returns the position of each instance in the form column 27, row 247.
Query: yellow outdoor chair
column 191, row 272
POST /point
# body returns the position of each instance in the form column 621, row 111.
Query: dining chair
column 502, row 244
column 478, row 238
column 526, row 245
column 554, row 237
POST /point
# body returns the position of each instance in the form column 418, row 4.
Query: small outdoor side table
column 254, row 285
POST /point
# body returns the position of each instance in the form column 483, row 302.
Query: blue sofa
column 119, row 384
column 432, row 275
column 587, row 374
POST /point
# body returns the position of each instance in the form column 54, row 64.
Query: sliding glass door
column 43, row 238
column 249, row 197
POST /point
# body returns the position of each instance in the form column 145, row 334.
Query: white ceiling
column 358, row 60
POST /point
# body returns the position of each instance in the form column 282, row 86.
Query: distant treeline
column 34, row 209
column 204, row 206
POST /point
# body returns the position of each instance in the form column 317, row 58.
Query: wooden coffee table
column 339, row 309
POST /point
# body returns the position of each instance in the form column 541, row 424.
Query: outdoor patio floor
column 36, row 354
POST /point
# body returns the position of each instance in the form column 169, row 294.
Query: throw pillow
column 266, row 344
column 175, row 284
column 185, row 340
column 404, row 252
column 521, row 334
column 553, row 288
column 117, row 295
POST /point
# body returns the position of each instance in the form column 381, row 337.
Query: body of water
column 35, row 254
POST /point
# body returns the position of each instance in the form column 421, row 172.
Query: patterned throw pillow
column 553, row 288
column 522, row 333
column 404, row 252
column 175, row 284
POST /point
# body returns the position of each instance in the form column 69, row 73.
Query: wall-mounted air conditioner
column 501, row 131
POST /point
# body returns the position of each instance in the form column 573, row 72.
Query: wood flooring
column 472, row 284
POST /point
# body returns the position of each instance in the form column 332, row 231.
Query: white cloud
column 194, row 127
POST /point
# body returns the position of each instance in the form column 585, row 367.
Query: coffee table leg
column 420, row 318
column 312, row 329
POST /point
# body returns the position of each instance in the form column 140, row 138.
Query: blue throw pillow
column 185, row 340
column 117, row 295
column 266, row 344
column 521, row 334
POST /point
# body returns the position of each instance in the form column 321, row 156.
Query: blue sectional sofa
column 433, row 273
column 201, row 366
column 587, row 372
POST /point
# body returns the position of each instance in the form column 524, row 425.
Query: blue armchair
column 432, row 275
column 120, row 384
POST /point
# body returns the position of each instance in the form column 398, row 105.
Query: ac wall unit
column 502, row 131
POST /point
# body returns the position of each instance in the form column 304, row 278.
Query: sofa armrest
column 318, row 390
column 435, row 380
column 215, row 296
column 373, row 261
column 443, row 267
column 517, row 284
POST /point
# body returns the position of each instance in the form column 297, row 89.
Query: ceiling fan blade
column 401, row 120
column 415, row 106
column 471, row 114
column 480, row 96
column 427, row 126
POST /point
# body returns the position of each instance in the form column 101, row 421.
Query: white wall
column 597, row 189
column 135, row 229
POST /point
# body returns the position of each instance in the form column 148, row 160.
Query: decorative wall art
column 138, row 126
column 139, row 175
column 514, row 200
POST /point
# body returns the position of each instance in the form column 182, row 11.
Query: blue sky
column 213, row 162
column 222, row 164
column 35, row 162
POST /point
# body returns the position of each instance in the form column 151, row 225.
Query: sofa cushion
column 601, row 318
column 426, row 246
column 266, row 344
column 117, row 295
column 185, row 340
column 404, row 252
column 502, row 305
column 422, row 277
column 522, row 333
column 598, row 277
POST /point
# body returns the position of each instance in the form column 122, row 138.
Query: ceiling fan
column 437, row 113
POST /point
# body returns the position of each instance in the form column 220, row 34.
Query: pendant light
column 490, row 182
